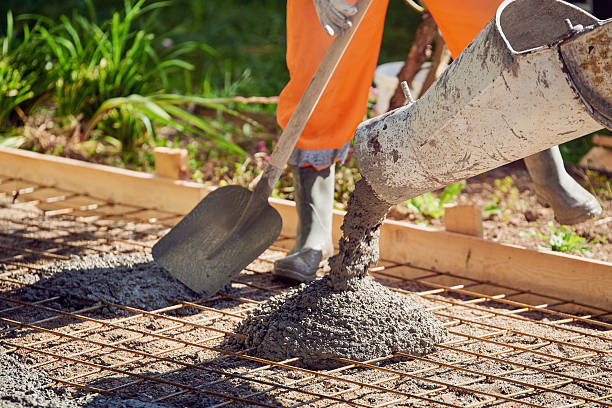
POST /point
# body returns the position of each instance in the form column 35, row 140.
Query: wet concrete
column 318, row 322
column 359, row 247
column 130, row 280
column 346, row 314
column 22, row 386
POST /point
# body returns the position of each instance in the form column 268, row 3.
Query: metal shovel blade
column 188, row 251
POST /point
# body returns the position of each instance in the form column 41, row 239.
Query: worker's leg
column 314, row 198
column 326, row 138
column 554, row 186
column 459, row 22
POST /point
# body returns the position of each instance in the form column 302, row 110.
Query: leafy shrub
column 16, row 81
column 564, row 239
column 107, row 83
column 143, row 111
column 94, row 63
column 430, row 206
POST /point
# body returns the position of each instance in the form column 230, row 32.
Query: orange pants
column 461, row 20
column 344, row 102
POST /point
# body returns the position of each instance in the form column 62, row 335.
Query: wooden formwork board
column 578, row 279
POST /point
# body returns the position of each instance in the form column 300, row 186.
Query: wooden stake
column 602, row 140
column 171, row 163
column 463, row 219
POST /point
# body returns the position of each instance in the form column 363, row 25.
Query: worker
column 311, row 25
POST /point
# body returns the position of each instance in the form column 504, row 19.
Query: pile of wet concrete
column 319, row 323
column 346, row 315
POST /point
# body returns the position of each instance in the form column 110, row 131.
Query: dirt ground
column 498, row 353
column 522, row 217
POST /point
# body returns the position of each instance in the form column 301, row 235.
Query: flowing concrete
column 346, row 314
column 359, row 246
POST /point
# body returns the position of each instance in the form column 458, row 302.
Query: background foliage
column 190, row 51
column 242, row 42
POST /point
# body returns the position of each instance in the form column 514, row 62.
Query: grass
column 20, row 80
column 93, row 63
column 241, row 43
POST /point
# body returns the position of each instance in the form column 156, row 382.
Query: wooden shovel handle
column 311, row 97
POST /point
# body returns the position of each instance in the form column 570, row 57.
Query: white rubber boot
column 571, row 203
column 314, row 200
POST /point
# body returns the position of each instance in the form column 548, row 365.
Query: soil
column 523, row 219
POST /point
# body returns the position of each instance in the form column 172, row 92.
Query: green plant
column 505, row 196
column 430, row 206
column 165, row 109
column 93, row 63
column 89, row 68
column 564, row 239
column 16, row 82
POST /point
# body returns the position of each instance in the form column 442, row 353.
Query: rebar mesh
column 507, row 347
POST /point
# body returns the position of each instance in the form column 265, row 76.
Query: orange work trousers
column 344, row 102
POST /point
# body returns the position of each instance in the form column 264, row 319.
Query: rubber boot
column 314, row 200
column 571, row 203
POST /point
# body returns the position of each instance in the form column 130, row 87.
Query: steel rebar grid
column 501, row 351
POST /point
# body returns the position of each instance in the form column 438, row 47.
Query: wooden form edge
column 113, row 184
column 569, row 277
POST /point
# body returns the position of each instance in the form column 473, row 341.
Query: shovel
column 232, row 226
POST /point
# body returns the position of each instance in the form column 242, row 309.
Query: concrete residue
column 346, row 314
column 130, row 280
column 318, row 322
column 361, row 229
